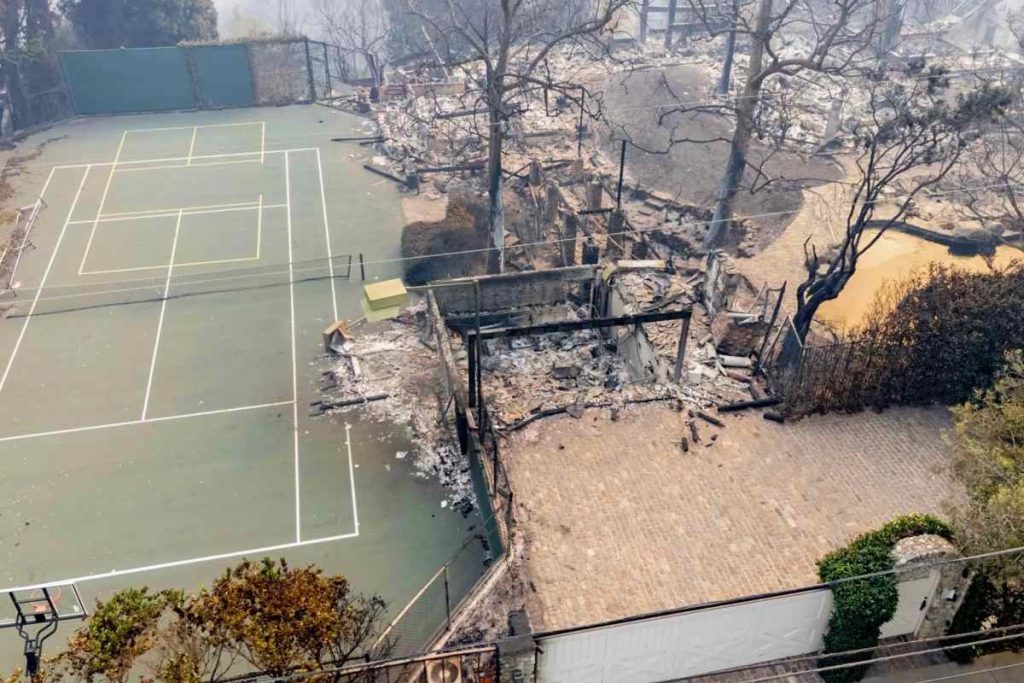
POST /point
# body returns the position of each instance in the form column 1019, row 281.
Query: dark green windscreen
column 130, row 80
column 222, row 76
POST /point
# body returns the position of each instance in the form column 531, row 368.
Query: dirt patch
column 424, row 208
column 690, row 169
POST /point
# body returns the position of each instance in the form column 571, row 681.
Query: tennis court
column 156, row 370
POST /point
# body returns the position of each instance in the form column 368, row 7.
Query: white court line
column 204, row 126
column 263, row 141
column 171, row 213
column 114, row 573
column 327, row 233
column 103, row 201
column 295, row 370
column 230, row 155
column 187, row 264
column 42, row 283
column 191, row 165
column 192, row 145
column 128, row 423
column 351, row 474
column 259, row 227
column 174, row 209
column 160, row 324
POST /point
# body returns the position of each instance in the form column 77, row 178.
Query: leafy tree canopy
column 988, row 458
column 261, row 616
column 140, row 23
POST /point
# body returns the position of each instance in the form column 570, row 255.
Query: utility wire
column 307, row 266
column 884, row 658
column 667, row 105
column 974, row 672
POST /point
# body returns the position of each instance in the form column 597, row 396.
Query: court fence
column 190, row 76
column 432, row 614
column 478, row 663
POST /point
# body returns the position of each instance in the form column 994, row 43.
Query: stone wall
column 953, row 580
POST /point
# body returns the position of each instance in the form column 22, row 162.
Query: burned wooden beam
column 709, row 418
column 747, row 405
column 321, row 407
column 373, row 168
column 477, row 165
column 360, row 138
column 573, row 325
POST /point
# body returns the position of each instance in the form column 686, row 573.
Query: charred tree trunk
column 730, row 51
column 745, row 110
column 496, row 210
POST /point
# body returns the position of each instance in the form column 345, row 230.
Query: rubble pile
column 395, row 373
column 671, row 229
column 647, row 291
column 564, row 372
column 718, row 355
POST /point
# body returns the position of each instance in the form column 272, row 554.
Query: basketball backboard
column 60, row 602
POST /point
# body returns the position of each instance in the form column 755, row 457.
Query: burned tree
column 998, row 157
column 360, row 28
column 913, row 126
column 837, row 37
column 501, row 48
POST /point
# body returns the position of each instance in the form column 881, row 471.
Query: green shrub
column 861, row 607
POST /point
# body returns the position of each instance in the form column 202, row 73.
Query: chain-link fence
column 282, row 72
column 478, row 664
column 430, row 612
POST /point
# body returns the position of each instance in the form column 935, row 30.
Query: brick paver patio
column 618, row 520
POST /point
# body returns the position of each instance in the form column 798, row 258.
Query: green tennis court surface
column 156, row 371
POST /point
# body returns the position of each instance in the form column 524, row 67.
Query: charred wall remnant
column 512, row 290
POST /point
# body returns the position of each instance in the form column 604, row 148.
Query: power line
column 769, row 95
column 974, row 672
column 95, row 288
column 665, row 105
column 884, row 658
column 846, row 653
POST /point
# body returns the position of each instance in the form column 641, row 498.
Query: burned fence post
column 579, row 127
column 309, row 71
column 447, row 600
column 684, row 332
column 471, row 348
column 771, row 325
column 622, row 169
column 327, row 72
column 479, row 358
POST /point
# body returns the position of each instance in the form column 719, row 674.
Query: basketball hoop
column 35, row 614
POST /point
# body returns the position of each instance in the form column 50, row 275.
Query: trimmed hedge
column 860, row 608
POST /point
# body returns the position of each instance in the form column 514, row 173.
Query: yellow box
column 387, row 294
